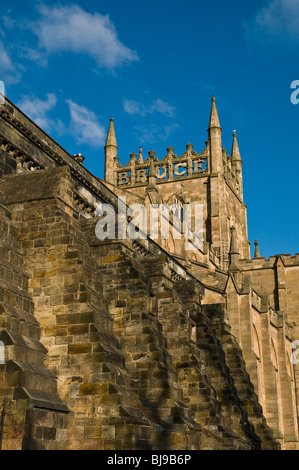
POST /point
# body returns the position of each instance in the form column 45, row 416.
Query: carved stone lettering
column 141, row 176
column 180, row 165
column 123, row 178
column 164, row 171
column 198, row 166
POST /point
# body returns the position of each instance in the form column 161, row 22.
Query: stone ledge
column 39, row 399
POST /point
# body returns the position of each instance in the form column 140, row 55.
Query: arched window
column 176, row 206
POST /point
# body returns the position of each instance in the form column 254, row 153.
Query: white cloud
column 5, row 61
column 277, row 22
column 134, row 107
column 9, row 73
column 162, row 107
column 167, row 130
column 159, row 106
column 8, row 22
column 153, row 133
column 85, row 126
column 71, row 29
column 37, row 109
column 33, row 54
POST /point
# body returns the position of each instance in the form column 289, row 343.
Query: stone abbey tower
column 152, row 342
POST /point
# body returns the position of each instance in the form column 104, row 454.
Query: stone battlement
column 268, row 263
column 170, row 167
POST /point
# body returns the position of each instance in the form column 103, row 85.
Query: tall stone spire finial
column 111, row 139
column 214, row 119
column 256, row 251
column 215, row 168
column 234, row 254
column 236, row 163
column 151, row 172
column 110, row 154
column 215, row 141
column 235, row 148
column 140, row 156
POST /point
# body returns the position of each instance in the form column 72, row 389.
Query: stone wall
column 123, row 344
column 133, row 358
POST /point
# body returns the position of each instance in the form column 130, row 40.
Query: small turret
column 111, row 139
column 215, row 142
column 140, row 156
column 256, row 251
column 214, row 119
column 234, row 254
column 235, row 149
column 79, row 158
column 151, row 172
column 110, row 153
column 236, row 163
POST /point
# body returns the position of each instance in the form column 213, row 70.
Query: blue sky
column 154, row 66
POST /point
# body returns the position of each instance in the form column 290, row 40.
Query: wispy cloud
column 8, row 21
column 59, row 29
column 159, row 106
column 5, row 61
column 154, row 133
column 9, row 72
column 276, row 23
column 71, row 29
column 162, row 107
column 134, row 107
column 85, row 126
column 33, row 54
column 38, row 110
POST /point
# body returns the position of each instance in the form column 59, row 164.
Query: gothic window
column 176, row 206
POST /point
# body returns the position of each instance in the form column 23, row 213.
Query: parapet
column 169, row 168
column 268, row 263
